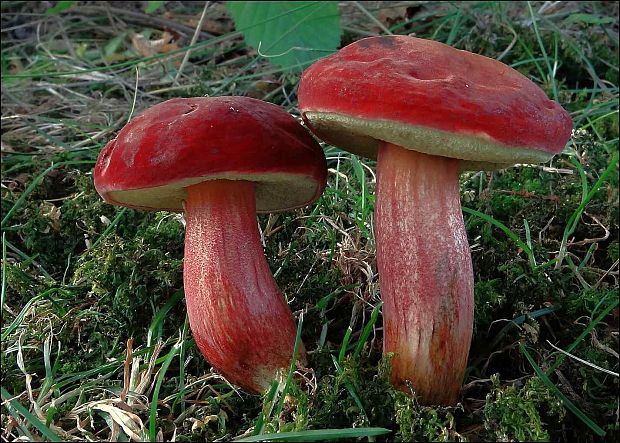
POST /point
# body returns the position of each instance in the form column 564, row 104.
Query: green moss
column 488, row 298
column 21, row 284
column 513, row 413
column 420, row 423
column 589, row 301
column 134, row 276
column 295, row 412
column 506, row 204
column 11, row 379
column 209, row 422
column 106, row 293
column 612, row 250
column 525, row 286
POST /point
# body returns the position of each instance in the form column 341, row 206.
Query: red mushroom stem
column 233, row 302
column 425, row 272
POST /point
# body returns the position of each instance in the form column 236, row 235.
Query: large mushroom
column 426, row 111
column 221, row 160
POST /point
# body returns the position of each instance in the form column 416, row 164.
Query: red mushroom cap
column 427, row 96
column 185, row 141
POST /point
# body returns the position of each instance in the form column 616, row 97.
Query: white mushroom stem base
column 239, row 319
column 425, row 272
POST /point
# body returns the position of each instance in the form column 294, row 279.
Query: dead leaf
column 18, row 183
column 147, row 48
column 217, row 20
column 5, row 147
column 393, row 15
column 198, row 425
column 15, row 66
column 532, row 331
column 52, row 212
column 262, row 87
column 132, row 424
column 217, row 27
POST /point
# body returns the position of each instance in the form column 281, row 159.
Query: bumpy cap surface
column 185, row 141
column 432, row 98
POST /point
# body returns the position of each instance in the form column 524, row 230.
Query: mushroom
column 426, row 111
column 221, row 160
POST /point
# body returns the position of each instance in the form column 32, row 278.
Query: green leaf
column 60, row 7
column 289, row 33
column 153, row 6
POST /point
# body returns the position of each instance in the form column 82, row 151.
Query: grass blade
column 574, row 219
column 158, row 320
column 17, row 321
column 352, row 392
column 160, row 379
column 550, row 71
column 3, row 274
column 291, row 370
column 111, row 226
column 528, row 240
column 345, row 343
column 519, row 320
column 583, row 335
column 34, row 421
column 268, row 403
column 505, row 229
column 367, row 330
column 36, row 182
column 565, row 401
column 318, row 435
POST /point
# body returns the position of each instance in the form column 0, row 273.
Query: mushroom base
column 425, row 272
column 239, row 319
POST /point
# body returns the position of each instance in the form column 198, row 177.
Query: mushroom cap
column 430, row 97
column 185, row 141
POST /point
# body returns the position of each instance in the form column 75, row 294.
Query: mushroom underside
column 363, row 136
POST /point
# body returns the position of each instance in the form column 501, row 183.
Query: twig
column 511, row 45
column 592, row 240
column 373, row 18
column 606, row 274
column 144, row 19
column 194, row 40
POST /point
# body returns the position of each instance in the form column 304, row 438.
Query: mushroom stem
column 425, row 272
column 239, row 319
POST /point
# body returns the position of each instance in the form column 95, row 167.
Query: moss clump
column 513, row 413
column 612, row 251
column 295, row 411
column 422, row 423
column 354, row 397
column 133, row 277
column 590, row 301
column 488, row 300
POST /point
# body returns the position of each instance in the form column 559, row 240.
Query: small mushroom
column 221, row 160
column 426, row 111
